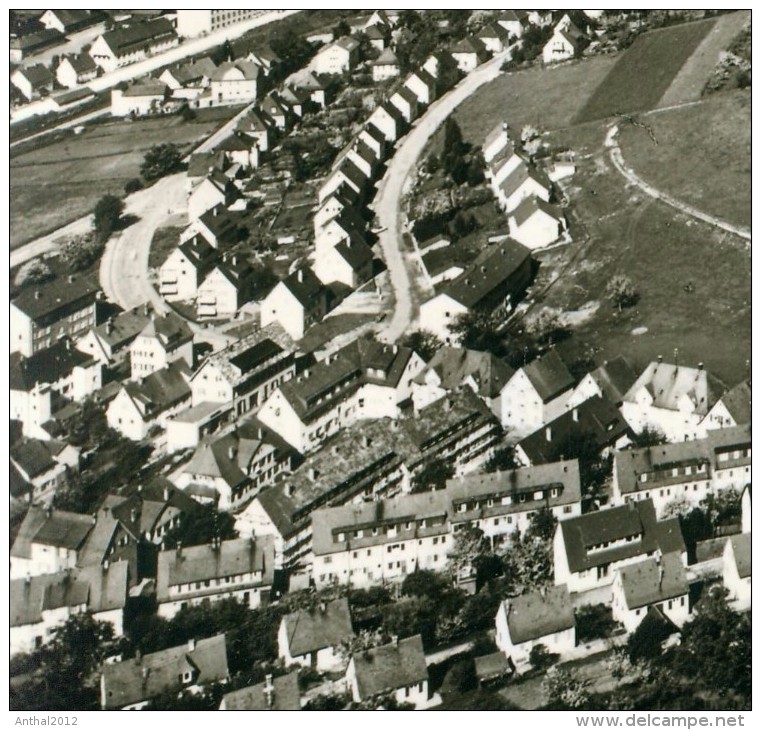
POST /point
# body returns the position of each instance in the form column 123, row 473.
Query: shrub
column 133, row 185
column 33, row 272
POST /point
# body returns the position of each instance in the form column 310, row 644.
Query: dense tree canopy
column 161, row 160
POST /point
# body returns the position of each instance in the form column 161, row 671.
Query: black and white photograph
column 370, row 359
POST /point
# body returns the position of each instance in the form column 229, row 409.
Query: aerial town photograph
column 380, row 360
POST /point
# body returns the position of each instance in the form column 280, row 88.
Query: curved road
column 404, row 267
column 617, row 158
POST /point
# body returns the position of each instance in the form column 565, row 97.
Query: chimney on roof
column 215, row 210
column 71, row 278
column 109, row 325
column 231, row 453
column 548, row 433
column 269, row 691
column 133, row 515
column 505, row 126
column 288, row 490
column 146, row 309
column 313, row 474
column 395, row 640
column 300, row 276
column 166, row 494
column 191, row 644
column 106, row 565
column 37, row 294
column 575, row 415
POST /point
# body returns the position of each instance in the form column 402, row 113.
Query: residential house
column 71, row 21
column 536, row 223
column 346, row 223
column 164, row 339
column 220, row 227
column 423, row 85
column 523, row 182
column 732, row 409
column 375, row 140
column 497, row 278
column 537, row 393
column 442, row 66
column 406, row 101
column 469, row 53
column 234, row 82
column 109, row 343
column 73, row 70
column 41, row 604
column 42, row 314
column 513, row 21
column 675, row 399
column 339, row 57
column 274, row 109
column 281, row 693
column 241, row 569
column 503, row 164
column 502, row 503
column 453, row 367
column 349, row 262
column 40, row 383
column 31, row 43
column 226, row 288
column 265, row 59
column 596, row 419
column 567, row 42
column 185, row 268
column 131, row 43
column 341, row 199
column 294, row 100
column 388, row 120
column 254, row 126
column 736, row 570
column 310, row 637
column 377, row 36
column 150, row 402
column 398, row 668
column 589, row 549
column 495, row 141
column 365, row 379
column 658, row 582
column 686, row 471
column 373, row 542
column 245, row 374
column 382, row 19
column 612, row 380
column 42, row 466
column 131, row 684
column 296, row 303
column 33, row 81
column 346, row 174
column 214, row 191
column 189, row 427
column 139, row 99
column 543, row 617
column 494, row 37
column 48, row 541
column 201, row 165
column 312, row 85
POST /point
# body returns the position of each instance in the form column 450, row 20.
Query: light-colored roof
column 283, row 694
column 455, row 365
column 322, row 626
column 653, row 580
column 539, row 613
column 741, row 550
column 389, row 667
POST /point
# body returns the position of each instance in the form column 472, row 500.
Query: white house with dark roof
column 310, row 637
column 349, row 262
column 398, row 668
column 164, row 339
column 375, row 140
column 272, row 108
column 109, row 343
column 33, row 81
column 365, row 379
column 503, row 164
column 296, row 303
column 537, row 393
column 214, row 190
column 331, row 207
column 226, row 288
column 278, row 694
column 675, row 399
column 388, row 120
column 685, row 471
column 610, row 380
column 347, row 173
column 73, row 70
column 406, row 101
column 219, row 226
column 736, row 570
column 245, row 373
column 253, row 125
column 536, row 223
column 501, row 504
column 71, row 21
column 386, row 66
column 495, row 281
column 732, row 409
column 659, row 582
column 495, row 141
column 589, row 549
column 241, row 569
column 567, row 41
column 339, row 57
column 43, row 466
column 185, row 268
column 234, row 82
column 494, row 37
column 525, row 181
column 129, row 44
column 131, row 684
column 469, row 53
column 139, row 99
column 541, row 618
column 513, row 21
column 423, row 85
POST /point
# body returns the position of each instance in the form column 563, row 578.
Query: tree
column 469, row 544
column 546, row 328
column 424, row 584
column 107, row 216
column 649, row 436
column 542, row 524
column 434, row 475
column 424, row 343
column 503, row 459
column 479, row 330
column 676, row 507
column 646, row 641
column 594, row 622
column 621, row 292
column 341, row 29
column 161, row 160
column 35, row 271
column 81, row 252
column 133, row 185
column 528, row 561
column 565, row 689
column 460, row 678
column 540, row 658
column 201, row 526
column 723, row 507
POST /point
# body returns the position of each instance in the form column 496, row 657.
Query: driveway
column 404, row 267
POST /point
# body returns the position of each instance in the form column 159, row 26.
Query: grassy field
column 660, row 251
column 718, row 180
column 164, row 241
column 645, row 71
column 58, row 183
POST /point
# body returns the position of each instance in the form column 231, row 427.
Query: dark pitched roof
column 73, row 20
column 41, row 39
column 249, row 70
column 454, row 365
column 212, row 459
column 161, row 389
column 357, row 254
column 124, row 327
column 306, row 287
column 596, row 416
column 58, row 298
column 741, row 548
column 614, row 378
column 202, row 163
column 169, row 329
column 37, row 75
column 540, row 613
column 146, row 88
column 737, row 401
column 549, row 375
column 326, row 625
column 493, row 30
column 653, row 580
column 633, row 520
column 519, row 176
column 126, row 40
column 491, row 269
column 64, row 529
column 528, row 207
column 46, row 366
column 353, row 174
column 492, row 666
column 282, row 694
column 374, row 33
column 201, row 254
column 389, row 667
column 136, row 680
column 469, row 45
column 31, row 456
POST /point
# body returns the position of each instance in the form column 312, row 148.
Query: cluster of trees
column 36, row 271
column 313, row 156
column 458, row 159
column 161, row 160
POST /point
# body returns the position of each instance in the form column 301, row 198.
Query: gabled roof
column 32, row 41
column 147, row 88
column 653, row 580
column 159, row 390
column 454, row 365
column 200, row 253
column 389, row 667
column 37, row 75
column 668, row 384
column 407, row 95
column 469, row 45
column 495, row 133
column 57, row 298
column 73, row 20
column 737, row 401
column 392, row 111
column 356, row 253
column 614, row 378
column 129, row 39
column 374, row 33
column 55, row 528
column 539, row 613
column 46, row 366
column 493, row 30
column 596, row 417
column 221, row 222
column 248, row 69
column 124, row 327
column 741, row 550
column 82, row 63
column 306, row 287
column 424, row 76
column 353, row 174
column 144, row 677
column 549, row 375
column 320, row 627
column 32, row 457
column 237, row 142
column 347, row 43
column 283, row 694
column 533, row 205
column 169, row 329
column 635, row 521
column 202, row 163
column 213, row 458
column 492, row 268
column 520, row 175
